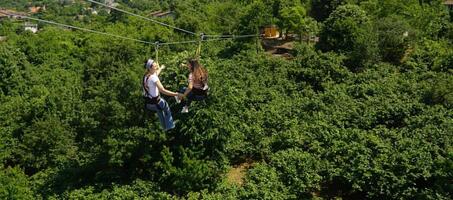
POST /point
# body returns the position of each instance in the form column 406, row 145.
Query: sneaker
column 185, row 109
column 177, row 99
column 169, row 128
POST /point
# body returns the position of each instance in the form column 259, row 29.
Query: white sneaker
column 177, row 99
column 185, row 109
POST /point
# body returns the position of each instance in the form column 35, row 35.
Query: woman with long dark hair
column 197, row 88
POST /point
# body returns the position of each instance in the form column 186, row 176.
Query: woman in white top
column 197, row 89
column 152, row 87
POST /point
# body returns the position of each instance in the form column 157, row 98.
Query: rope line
column 232, row 36
column 182, row 42
column 127, row 38
column 218, row 39
column 97, row 32
column 170, row 26
column 75, row 27
column 146, row 18
column 198, row 51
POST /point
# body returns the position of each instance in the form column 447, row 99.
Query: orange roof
column 34, row 9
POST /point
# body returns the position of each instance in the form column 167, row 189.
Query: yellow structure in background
column 271, row 31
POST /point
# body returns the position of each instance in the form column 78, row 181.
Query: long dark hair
column 199, row 73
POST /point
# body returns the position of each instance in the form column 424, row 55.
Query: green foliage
column 295, row 19
column 263, row 183
column 395, row 39
column 8, row 28
column 429, row 18
column 47, row 143
column 194, row 174
column 11, row 62
column 349, row 31
column 17, row 4
column 146, row 5
column 14, row 184
column 441, row 92
column 256, row 15
column 321, row 9
column 431, row 55
column 298, row 170
column 139, row 189
column 318, row 68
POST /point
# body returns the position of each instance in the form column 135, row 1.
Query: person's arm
column 189, row 86
column 165, row 91
column 188, row 89
column 159, row 69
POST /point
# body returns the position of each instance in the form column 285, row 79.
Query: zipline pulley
column 198, row 52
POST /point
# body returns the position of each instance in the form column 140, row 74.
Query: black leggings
column 194, row 95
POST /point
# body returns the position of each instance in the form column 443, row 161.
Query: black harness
column 199, row 92
column 148, row 98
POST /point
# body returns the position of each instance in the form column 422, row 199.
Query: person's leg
column 159, row 112
column 189, row 98
column 199, row 97
column 187, row 101
column 168, row 119
column 161, row 115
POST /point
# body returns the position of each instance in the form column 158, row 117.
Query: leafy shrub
column 14, row 184
column 349, row 31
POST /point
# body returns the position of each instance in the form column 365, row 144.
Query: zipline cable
column 208, row 40
column 182, row 42
column 93, row 31
column 127, row 38
column 232, row 36
column 75, row 27
column 146, row 18
column 167, row 25
column 216, row 36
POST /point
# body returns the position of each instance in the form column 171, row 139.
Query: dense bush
column 349, row 31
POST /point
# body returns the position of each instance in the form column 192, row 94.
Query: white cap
column 149, row 63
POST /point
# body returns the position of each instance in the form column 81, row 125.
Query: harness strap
column 156, row 49
column 198, row 51
column 153, row 101
column 199, row 92
column 149, row 99
column 145, row 85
